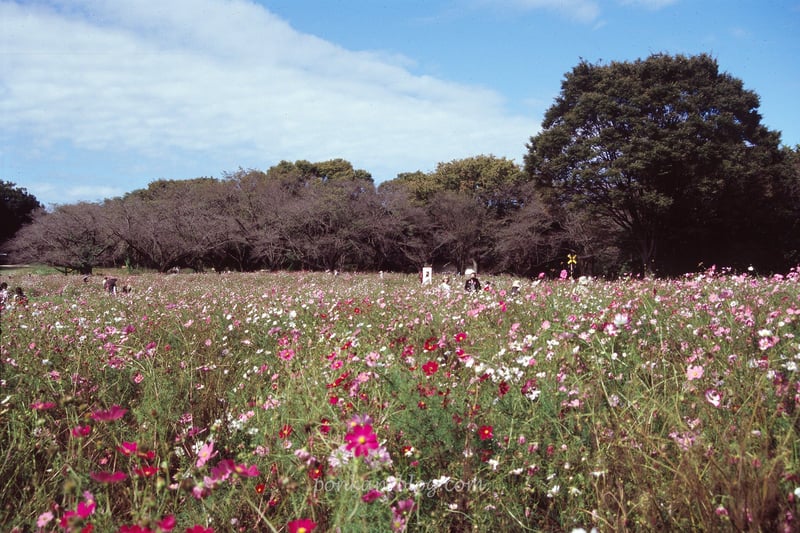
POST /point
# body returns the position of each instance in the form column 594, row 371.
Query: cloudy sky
column 101, row 97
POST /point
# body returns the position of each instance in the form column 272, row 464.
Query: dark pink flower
column 361, row 439
column 246, row 471
column 127, row 448
column 81, row 431
column 167, row 523
column 114, row 413
column 371, row 496
column 304, row 525
column 199, row 529
column 108, row 477
column 134, row 528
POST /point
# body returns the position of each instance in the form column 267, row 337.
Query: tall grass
column 243, row 402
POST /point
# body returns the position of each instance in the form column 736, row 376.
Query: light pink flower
column 694, row 372
column 206, row 452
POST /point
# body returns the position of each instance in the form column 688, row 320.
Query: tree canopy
column 658, row 165
column 17, row 207
column 669, row 150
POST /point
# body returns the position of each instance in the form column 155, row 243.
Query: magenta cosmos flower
column 361, row 439
column 304, row 525
column 115, row 412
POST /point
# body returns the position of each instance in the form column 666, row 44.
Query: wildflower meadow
column 299, row 402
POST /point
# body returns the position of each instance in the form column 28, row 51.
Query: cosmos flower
column 361, row 439
column 114, row 413
column 303, row 525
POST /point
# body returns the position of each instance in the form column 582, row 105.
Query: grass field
column 307, row 401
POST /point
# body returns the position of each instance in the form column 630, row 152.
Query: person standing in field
column 473, row 284
column 110, row 284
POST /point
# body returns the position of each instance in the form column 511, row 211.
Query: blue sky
column 101, row 97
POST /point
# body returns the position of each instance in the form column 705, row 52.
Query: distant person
column 445, row 285
column 473, row 284
column 20, row 299
column 110, row 284
column 515, row 288
column 3, row 294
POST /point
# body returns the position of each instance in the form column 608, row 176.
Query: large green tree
column 17, row 207
column 669, row 149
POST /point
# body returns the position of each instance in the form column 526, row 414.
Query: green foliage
column 670, row 150
column 17, row 207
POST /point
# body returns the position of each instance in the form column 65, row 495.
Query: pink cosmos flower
column 108, row 477
column 694, row 372
column 44, row 519
column 361, row 439
column 371, row 496
column 134, row 528
column 246, row 471
column 167, row 523
column 304, row 525
column 81, row 431
column 41, row 406
column 127, row 448
column 206, row 452
column 199, row 529
column 114, row 413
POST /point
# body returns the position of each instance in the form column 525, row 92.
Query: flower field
column 311, row 402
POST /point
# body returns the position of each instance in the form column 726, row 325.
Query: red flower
column 81, row 431
column 260, row 488
column 315, row 472
column 114, row 413
column 486, row 432
column 431, row 344
column 304, row 525
column 460, row 336
column 146, row 471
column 503, row 388
column 108, row 477
column 324, row 426
column 430, row 368
column 361, row 439
column 285, row 431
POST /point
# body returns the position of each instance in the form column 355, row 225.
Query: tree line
column 657, row 166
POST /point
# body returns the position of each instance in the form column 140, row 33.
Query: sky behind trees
column 98, row 97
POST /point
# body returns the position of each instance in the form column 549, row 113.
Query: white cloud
column 228, row 78
column 648, row 4
column 579, row 10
